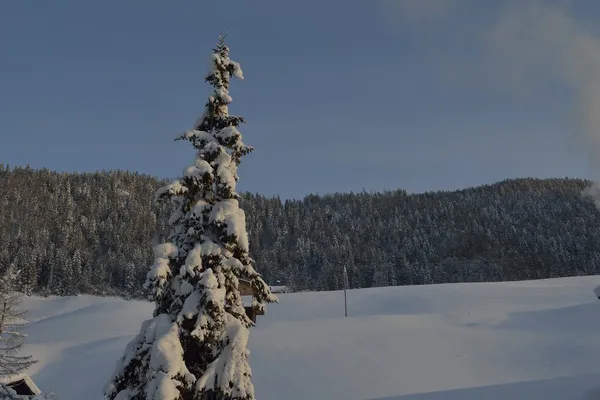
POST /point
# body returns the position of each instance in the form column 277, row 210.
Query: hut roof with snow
column 23, row 385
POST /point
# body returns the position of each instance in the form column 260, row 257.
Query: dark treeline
column 93, row 233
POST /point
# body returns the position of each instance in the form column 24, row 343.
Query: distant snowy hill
column 494, row 341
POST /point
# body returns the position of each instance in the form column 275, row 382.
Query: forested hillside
column 93, row 233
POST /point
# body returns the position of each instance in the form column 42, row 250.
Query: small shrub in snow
column 11, row 323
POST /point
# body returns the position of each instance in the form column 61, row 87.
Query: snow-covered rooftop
column 7, row 380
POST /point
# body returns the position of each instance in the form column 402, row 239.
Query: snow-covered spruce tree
column 11, row 323
column 195, row 346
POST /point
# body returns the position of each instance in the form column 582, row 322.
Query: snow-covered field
column 493, row 341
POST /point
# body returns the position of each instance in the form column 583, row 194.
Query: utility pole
column 345, row 278
column 345, row 304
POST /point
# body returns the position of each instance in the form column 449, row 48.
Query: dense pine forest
column 93, row 233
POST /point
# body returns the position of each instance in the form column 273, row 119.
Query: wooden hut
column 246, row 290
column 22, row 385
column 245, row 287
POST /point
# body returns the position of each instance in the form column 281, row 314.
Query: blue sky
column 338, row 96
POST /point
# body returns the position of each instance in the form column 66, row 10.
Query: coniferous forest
column 93, row 233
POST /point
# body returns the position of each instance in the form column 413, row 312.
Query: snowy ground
column 493, row 341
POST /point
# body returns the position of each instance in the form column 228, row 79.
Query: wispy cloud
column 415, row 13
column 520, row 46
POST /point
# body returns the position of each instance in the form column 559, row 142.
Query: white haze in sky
column 523, row 40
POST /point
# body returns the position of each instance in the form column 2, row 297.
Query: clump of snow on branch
column 173, row 189
column 193, row 262
column 159, row 342
column 228, row 213
column 226, row 172
column 213, row 298
column 165, row 250
column 231, row 366
column 159, row 273
column 200, row 208
column 166, row 363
